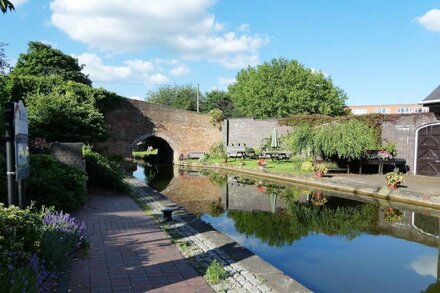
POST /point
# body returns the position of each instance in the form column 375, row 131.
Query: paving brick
column 138, row 258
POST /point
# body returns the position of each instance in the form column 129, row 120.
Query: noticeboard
column 21, row 141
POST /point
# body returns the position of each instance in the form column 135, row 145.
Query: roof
column 432, row 98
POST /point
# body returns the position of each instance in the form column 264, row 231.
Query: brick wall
column 132, row 121
column 69, row 154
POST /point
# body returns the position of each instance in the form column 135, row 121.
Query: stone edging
column 202, row 244
column 401, row 196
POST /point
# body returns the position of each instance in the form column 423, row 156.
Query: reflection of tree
column 217, row 178
column 150, row 172
column 216, row 208
column 302, row 219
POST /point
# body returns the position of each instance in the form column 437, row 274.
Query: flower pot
column 319, row 174
column 392, row 185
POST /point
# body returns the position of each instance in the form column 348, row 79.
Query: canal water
column 327, row 241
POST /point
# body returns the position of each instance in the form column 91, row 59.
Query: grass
column 215, row 273
column 291, row 166
column 141, row 154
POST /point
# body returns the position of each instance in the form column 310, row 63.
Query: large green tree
column 5, row 5
column 282, row 87
column 41, row 59
column 217, row 99
column 4, row 65
column 176, row 96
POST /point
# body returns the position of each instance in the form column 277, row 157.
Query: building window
column 382, row 110
column 359, row 111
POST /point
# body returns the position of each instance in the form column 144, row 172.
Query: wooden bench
column 194, row 155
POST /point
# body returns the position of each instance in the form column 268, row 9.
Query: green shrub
column 20, row 230
column 215, row 273
column 103, row 172
column 52, row 183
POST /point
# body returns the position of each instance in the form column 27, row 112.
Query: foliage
column 4, row 65
column 42, row 59
column 300, row 140
column 52, row 183
column 391, row 148
column 392, row 214
column 35, row 245
column 216, row 118
column 62, row 237
column 19, row 87
column 103, row 172
column 346, row 139
column 281, row 87
column 20, row 230
column 320, row 168
column 215, row 273
column 39, row 145
column 5, row 5
column 177, row 96
column 218, row 151
column 303, row 219
column 217, row 99
column 216, row 209
column 394, row 178
column 307, row 166
column 65, row 116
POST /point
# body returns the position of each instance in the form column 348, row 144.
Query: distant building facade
column 433, row 101
column 388, row 109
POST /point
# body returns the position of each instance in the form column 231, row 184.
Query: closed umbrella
column 274, row 142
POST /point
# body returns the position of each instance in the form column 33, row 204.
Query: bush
column 35, row 246
column 103, row 172
column 215, row 273
column 52, row 183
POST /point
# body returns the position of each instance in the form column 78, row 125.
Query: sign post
column 21, row 149
column 17, row 151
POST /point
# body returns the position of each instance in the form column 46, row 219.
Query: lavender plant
column 62, row 239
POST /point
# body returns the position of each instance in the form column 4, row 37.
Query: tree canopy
column 177, row 96
column 4, row 65
column 282, row 87
column 217, row 99
column 42, row 59
column 5, row 5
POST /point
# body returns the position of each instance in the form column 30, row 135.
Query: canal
column 328, row 241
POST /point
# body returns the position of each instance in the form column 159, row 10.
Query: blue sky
column 378, row 51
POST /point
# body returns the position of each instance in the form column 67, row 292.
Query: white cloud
column 180, row 70
column 18, row 2
column 136, row 98
column 224, row 81
column 430, row 20
column 99, row 72
column 425, row 265
column 182, row 27
column 158, row 79
column 49, row 43
column 140, row 65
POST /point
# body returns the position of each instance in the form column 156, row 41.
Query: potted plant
column 262, row 163
column 394, row 179
column 392, row 214
column 320, row 170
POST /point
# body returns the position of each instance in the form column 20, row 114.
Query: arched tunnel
column 164, row 154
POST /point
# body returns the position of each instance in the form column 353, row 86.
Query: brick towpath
column 129, row 253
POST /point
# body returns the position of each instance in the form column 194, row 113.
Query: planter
column 392, row 185
column 319, row 174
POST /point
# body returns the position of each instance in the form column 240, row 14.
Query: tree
column 280, row 88
column 62, row 115
column 177, row 96
column 42, row 59
column 218, row 99
column 5, row 5
column 4, row 65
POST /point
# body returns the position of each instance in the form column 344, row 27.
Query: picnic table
column 276, row 155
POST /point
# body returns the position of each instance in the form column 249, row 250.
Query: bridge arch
column 133, row 121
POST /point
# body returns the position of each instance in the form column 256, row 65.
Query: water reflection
column 325, row 240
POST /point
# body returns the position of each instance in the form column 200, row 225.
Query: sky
column 378, row 52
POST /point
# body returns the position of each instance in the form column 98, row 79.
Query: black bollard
column 167, row 214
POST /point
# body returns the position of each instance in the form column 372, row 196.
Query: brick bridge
column 172, row 131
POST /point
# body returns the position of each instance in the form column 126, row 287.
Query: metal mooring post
column 10, row 152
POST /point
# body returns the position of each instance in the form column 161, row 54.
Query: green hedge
column 52, row 183
column 103, row 172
